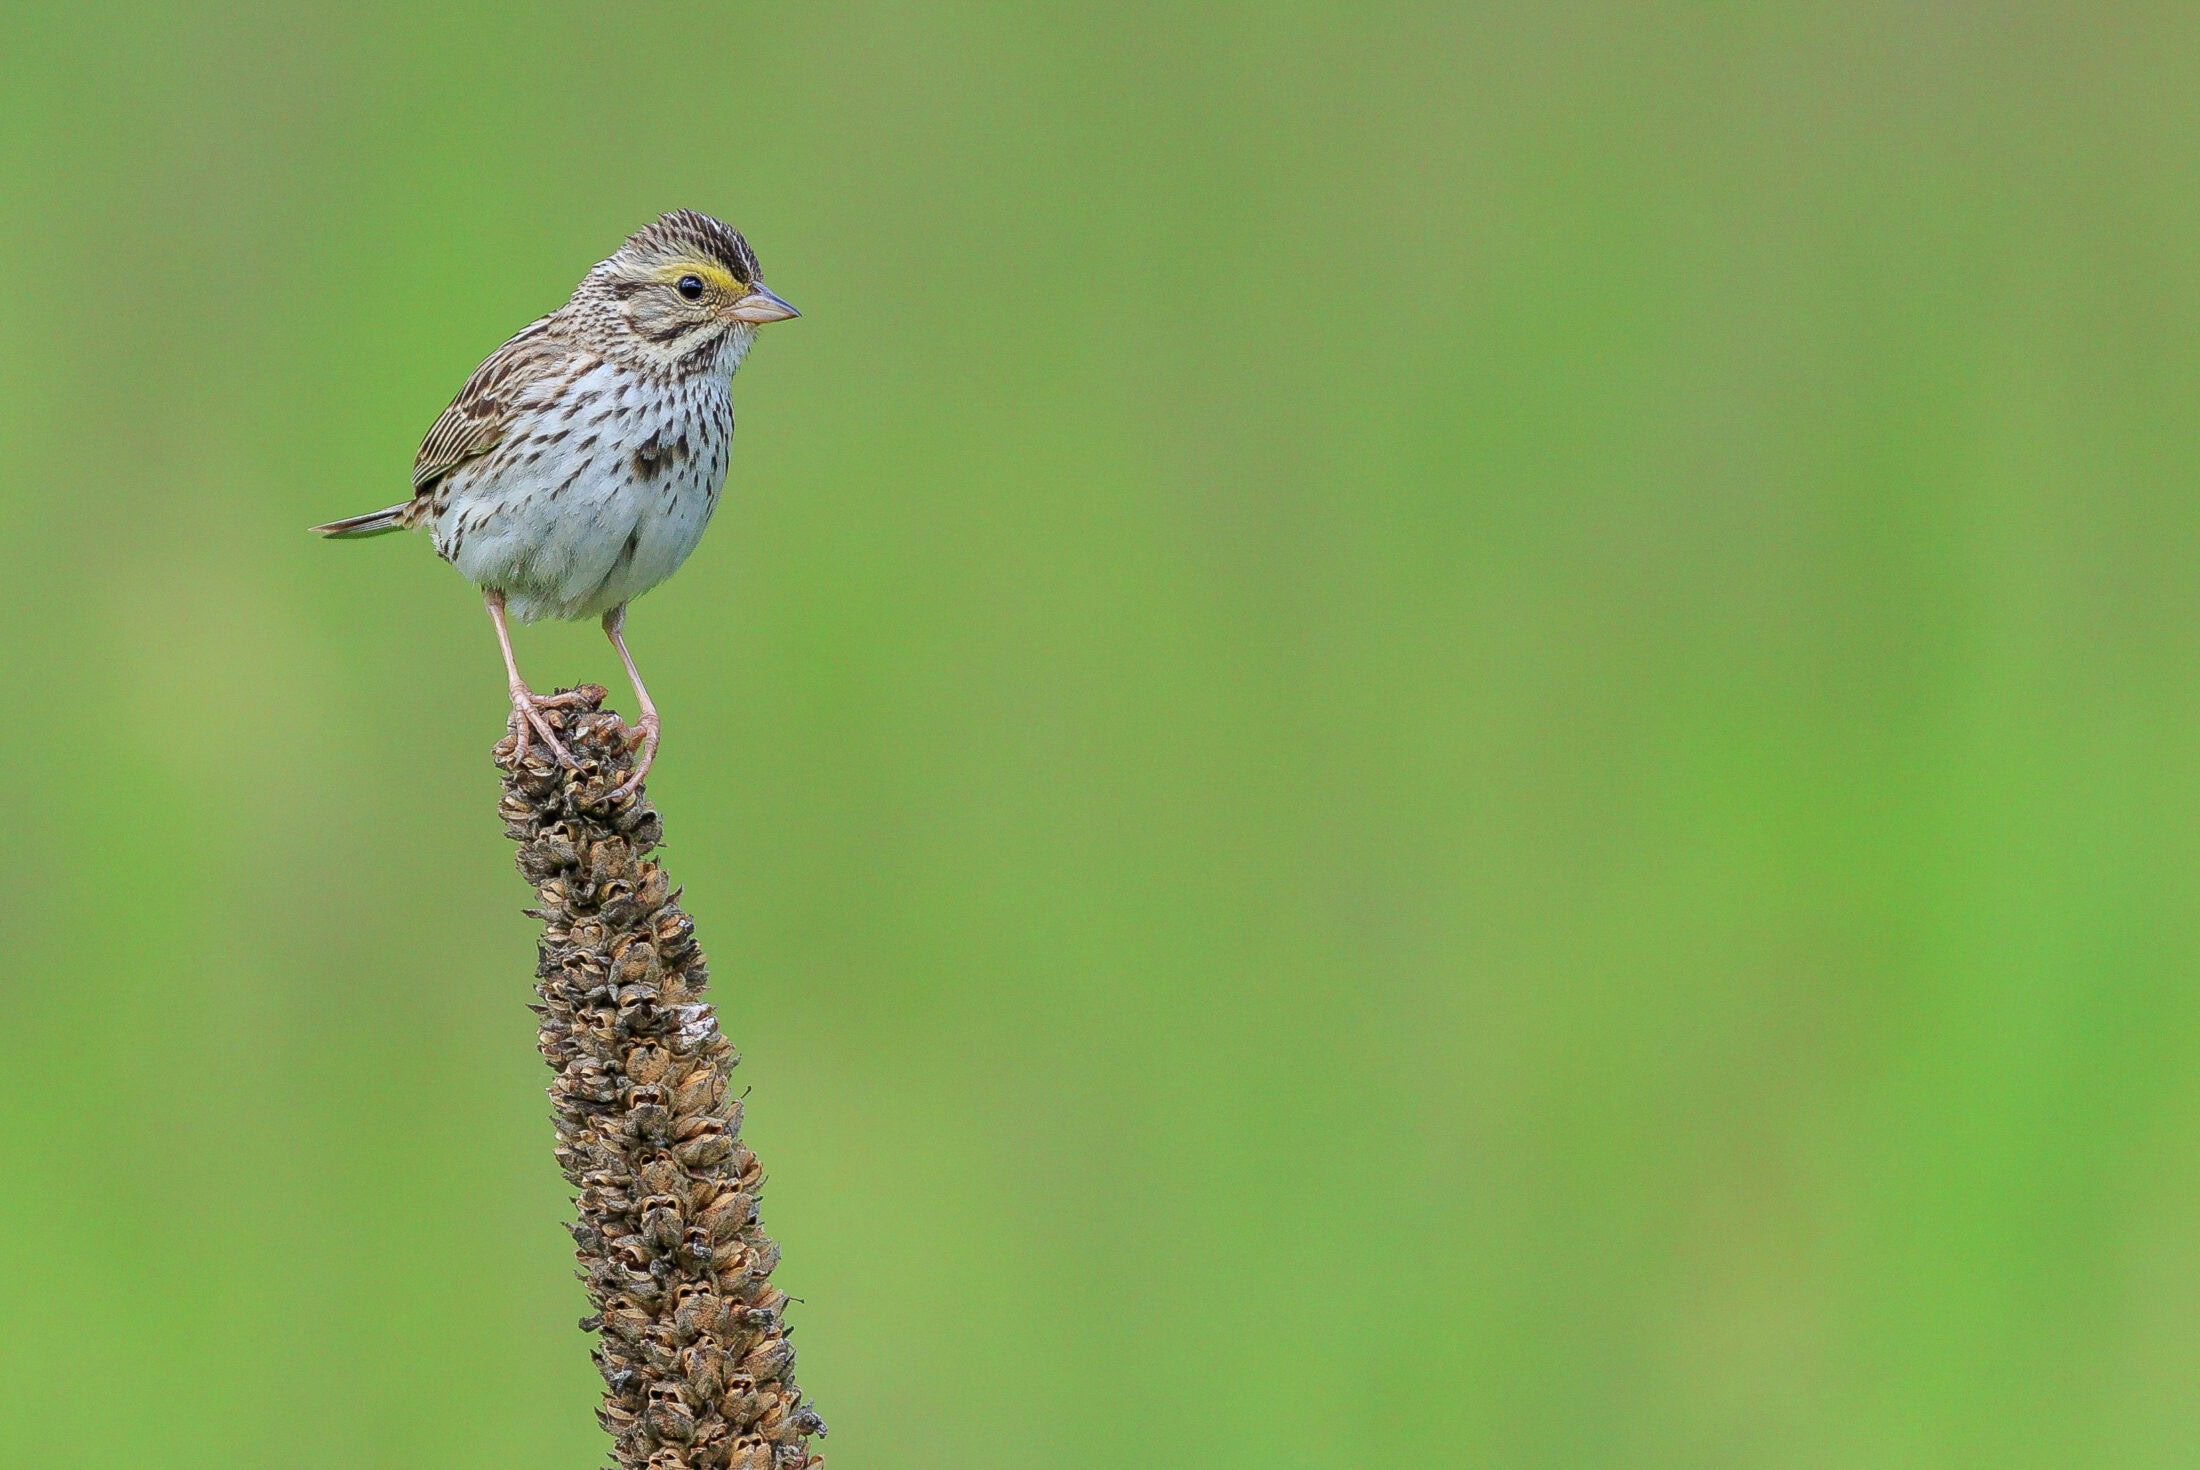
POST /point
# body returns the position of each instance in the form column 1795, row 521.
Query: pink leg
column 527, row 706
column 614, row 627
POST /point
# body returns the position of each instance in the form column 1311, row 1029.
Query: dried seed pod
column 772, row 1423
column 589, row 1081
column 662, row 1226
column 741, row 1403
column 638, row 1014
column 659, row 1351
column 635, row 962
column 625, row 1320
column 675, row 933
column 694, row 1028
column 746, row 1168
column 620, row 1375
column 647, row 1063
column 667, row 1415
column 695, row 1307
column 649, row 1114
column 703, row 1088
column 649, row 1124
column 616, row 901
column 763, row 1302
column 733, row 1262
column 597, row 1202
column 712, row 1436
column 769, row 1358
column 751, row 1452
column 706, row 1145
column 695, row 1250
column 606, row 1277
column 609, row 858
column 660, row 1175
column 535, row 865
column 728, row 1215
column 703, row 1366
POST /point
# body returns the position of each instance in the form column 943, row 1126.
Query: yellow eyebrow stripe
column 716, row 275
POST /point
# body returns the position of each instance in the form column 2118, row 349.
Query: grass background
column 1449, row 735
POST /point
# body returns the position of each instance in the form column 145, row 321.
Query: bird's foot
column 648, row 726
column 527, row 708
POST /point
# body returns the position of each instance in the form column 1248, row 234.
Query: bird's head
column 687, row 292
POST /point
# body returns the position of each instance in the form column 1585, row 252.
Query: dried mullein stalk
column 698, row 1373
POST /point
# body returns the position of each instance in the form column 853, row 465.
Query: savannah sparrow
column 578, row 466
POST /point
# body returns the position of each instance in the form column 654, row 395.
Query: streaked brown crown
column 672, row 236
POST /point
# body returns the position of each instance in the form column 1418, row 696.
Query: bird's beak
column 761, row 306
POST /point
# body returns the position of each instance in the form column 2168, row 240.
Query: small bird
column 578, row 466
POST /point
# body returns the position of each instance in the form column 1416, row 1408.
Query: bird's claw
column 527, row 708
column 648, row 727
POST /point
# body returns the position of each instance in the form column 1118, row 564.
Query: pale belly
column 571, row 524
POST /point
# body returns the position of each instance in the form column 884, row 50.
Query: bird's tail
column 374, row 523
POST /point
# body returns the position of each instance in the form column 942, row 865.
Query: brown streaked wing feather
column 478, row 417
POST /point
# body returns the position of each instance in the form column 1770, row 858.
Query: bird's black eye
column 691, row 287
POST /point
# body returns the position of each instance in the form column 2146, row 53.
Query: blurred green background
column 1463, row 735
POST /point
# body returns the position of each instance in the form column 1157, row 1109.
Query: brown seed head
column 696, row 1366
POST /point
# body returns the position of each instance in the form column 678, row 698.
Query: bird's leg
column 527, row 706
column 614, row 628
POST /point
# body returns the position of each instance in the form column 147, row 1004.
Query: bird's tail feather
column 374, row 523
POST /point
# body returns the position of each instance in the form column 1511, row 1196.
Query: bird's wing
column 484, row 409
